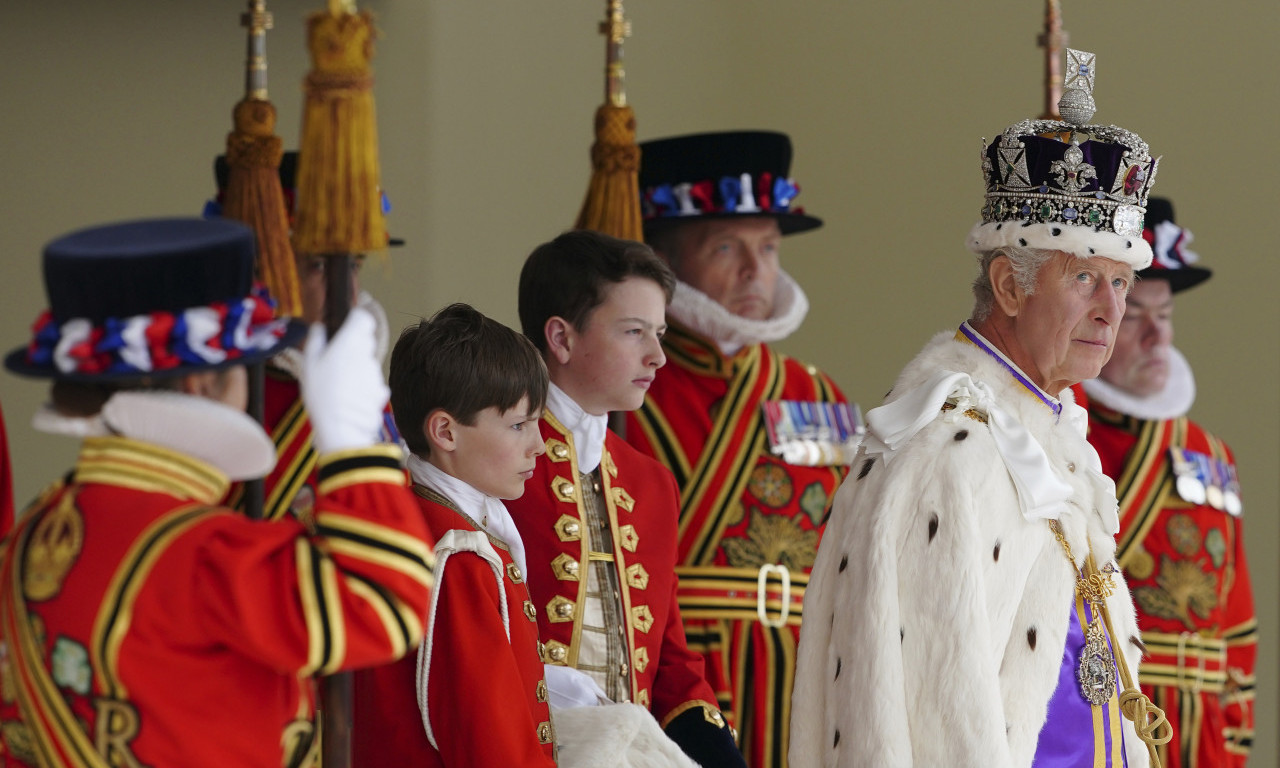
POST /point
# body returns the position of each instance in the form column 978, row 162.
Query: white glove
column 342, row 385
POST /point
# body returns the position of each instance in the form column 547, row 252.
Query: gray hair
column 1026, row 263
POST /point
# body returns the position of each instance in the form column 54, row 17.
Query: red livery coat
column 741, row 509
column 144, row 625
column 1185, row 565
column 487, row 698
column 665, row 676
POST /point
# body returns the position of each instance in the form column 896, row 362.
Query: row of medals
column 1202, row 479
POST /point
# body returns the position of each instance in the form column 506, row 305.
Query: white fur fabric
column 614, row 736
column 1075, row 239
column 916, row 645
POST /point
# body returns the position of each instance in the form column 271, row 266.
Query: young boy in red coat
column 467, row 393
column 598, row 519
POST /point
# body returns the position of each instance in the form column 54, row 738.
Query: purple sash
column 1077, row 734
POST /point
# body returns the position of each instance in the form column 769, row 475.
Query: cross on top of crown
column 1081, row 70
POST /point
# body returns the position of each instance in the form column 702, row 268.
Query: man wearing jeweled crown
column 966, row 608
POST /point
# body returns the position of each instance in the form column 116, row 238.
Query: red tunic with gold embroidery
column 664, row 675
column 1185, row 565
column 743, row 510
column 486, row 697
column 145, row 625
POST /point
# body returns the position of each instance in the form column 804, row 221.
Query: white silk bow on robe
column 1042, row 494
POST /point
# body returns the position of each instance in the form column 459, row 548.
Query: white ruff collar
column 487, row 512
column 1169, row 403
column 703, row 315
column 588, row 430
column 198, row 427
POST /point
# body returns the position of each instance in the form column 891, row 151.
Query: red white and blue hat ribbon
column 729, row 194
column 144, row 344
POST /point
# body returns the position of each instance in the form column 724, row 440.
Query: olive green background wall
column 116, row 109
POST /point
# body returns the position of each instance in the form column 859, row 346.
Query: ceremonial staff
column 612, row 204
column 253, row 195
column 339, row 216
column 1054, row 40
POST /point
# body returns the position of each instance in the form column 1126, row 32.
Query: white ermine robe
column 937, row 614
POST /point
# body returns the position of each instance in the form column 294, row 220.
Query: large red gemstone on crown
column 1133, row 179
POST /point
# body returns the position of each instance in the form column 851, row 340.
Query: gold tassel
column 253, row 196
column 612, row 205
column 339, row 206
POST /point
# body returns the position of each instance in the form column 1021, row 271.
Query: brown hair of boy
column 567, row 278
column 461, row 362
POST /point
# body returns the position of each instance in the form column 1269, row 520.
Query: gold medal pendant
column 1097, row 672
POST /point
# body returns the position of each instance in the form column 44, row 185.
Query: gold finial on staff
column 1054, row 41
column 612, row 204
column 253, row 194
column 616, row 29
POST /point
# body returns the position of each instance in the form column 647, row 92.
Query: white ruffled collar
column 1173, row 401
column 487, row 512
column 703, row 315
column 588, row 429
column 204, row 429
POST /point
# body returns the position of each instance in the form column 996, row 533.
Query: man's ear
column 441, row 431
column 560, row 339
column 1009, row 296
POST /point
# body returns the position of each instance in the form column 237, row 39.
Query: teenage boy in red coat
column 598, row 519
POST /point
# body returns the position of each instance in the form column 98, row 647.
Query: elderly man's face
column 1065, row 331
column 733, row 261
column 1140, row 363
